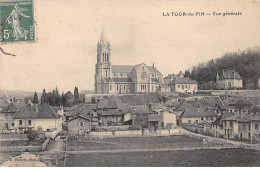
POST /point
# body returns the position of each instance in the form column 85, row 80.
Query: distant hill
column 19, row 94
column 246, row 63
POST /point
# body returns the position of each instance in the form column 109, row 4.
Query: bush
column 32, row 135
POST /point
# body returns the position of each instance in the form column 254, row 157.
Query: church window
column 124, row 87
column 117, row 87
column 106, row 73
column 107, row 57
column 110, row 87
column 179, row 86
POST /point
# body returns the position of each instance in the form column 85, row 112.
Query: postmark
column 17, row 21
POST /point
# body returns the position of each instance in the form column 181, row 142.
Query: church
column 123, row 79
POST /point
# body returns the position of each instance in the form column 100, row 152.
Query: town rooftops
column 3, row 102
column 11, row 108
column 183, row 80
column 228, row 74
column 212, row 102
column 170, row 76
column 199, row 112
column 219, row 120
column 81, row 110
column 244, row 117
column 153, row 118
column 141, row 99
column 41, row 111
column 233, row 100
column 142, row 110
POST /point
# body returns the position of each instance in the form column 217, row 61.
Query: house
column 183, row 84
column 238, row 103
column 140, row 116
column 4, row 103
column 169, row 119
column 153, row 122
column 79, row 122
column 35, row 117
column 200, row 115
column 228, row 79
column 6, row 120
column 243, row 127
column 216, row 127
column 168, row 79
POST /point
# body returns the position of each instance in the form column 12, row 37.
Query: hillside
column 247, row 63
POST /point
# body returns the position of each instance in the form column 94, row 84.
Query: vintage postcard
column 141, row 83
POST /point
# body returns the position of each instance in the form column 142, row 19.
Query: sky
column 68, row 31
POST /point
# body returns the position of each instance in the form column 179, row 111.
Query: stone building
column 229, row 79
column 123, row 79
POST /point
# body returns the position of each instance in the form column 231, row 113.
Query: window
column 6, row 115
column 197, row 121
column 249, row 127
column 124, row 87
column 202, row 118
column 185, row 86
column 116, row 87
column 179, row 86
column 182, row 86
column 13, row 124
column 189, row 121
column 29, row 122
column 81, row 123
column 256, row 126
column 231, row 124
column 121, row 74
column 6, row 125
column 106, row 73
column 110, row 87
column 20, row 122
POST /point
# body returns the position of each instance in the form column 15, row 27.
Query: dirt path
column 55, row 146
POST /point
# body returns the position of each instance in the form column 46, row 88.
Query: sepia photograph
column 119, row 83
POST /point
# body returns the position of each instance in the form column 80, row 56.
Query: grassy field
column 212, row 158
column 136, row 143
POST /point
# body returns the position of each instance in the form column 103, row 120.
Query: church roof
column 154, row 70
column 122, row 68
column 154, row 80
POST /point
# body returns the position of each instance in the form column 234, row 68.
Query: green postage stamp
column 17, row 21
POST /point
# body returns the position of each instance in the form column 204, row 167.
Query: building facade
column 183, row 84
column 229, row 79
column 123, row 79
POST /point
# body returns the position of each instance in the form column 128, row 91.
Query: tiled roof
column 11, row 108
column 142, row 110
column 112, row 112
column 233, row 100
column 153, row 117
column 122, row 68
column 81, row 110
column 229, row 74
column 41, row 111
column 3, row 102
column 225, row 115
column 183, row 80
column 199, row 112
column 140, row 99
column 123, row 80
column 211, row 101
column 154, row 70
column 170, row 76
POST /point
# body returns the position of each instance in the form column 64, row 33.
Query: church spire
column 103, row 38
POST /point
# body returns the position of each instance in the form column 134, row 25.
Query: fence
column 137, row 133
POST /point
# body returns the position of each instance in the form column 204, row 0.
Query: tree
column 93, row 99
column 43, row 97
column 76, row 93
column 187, row 73
column 35, row 98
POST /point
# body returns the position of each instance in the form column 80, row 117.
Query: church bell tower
column 103, row 66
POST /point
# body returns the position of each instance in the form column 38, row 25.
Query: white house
column 183, row 84
column 40, row 118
